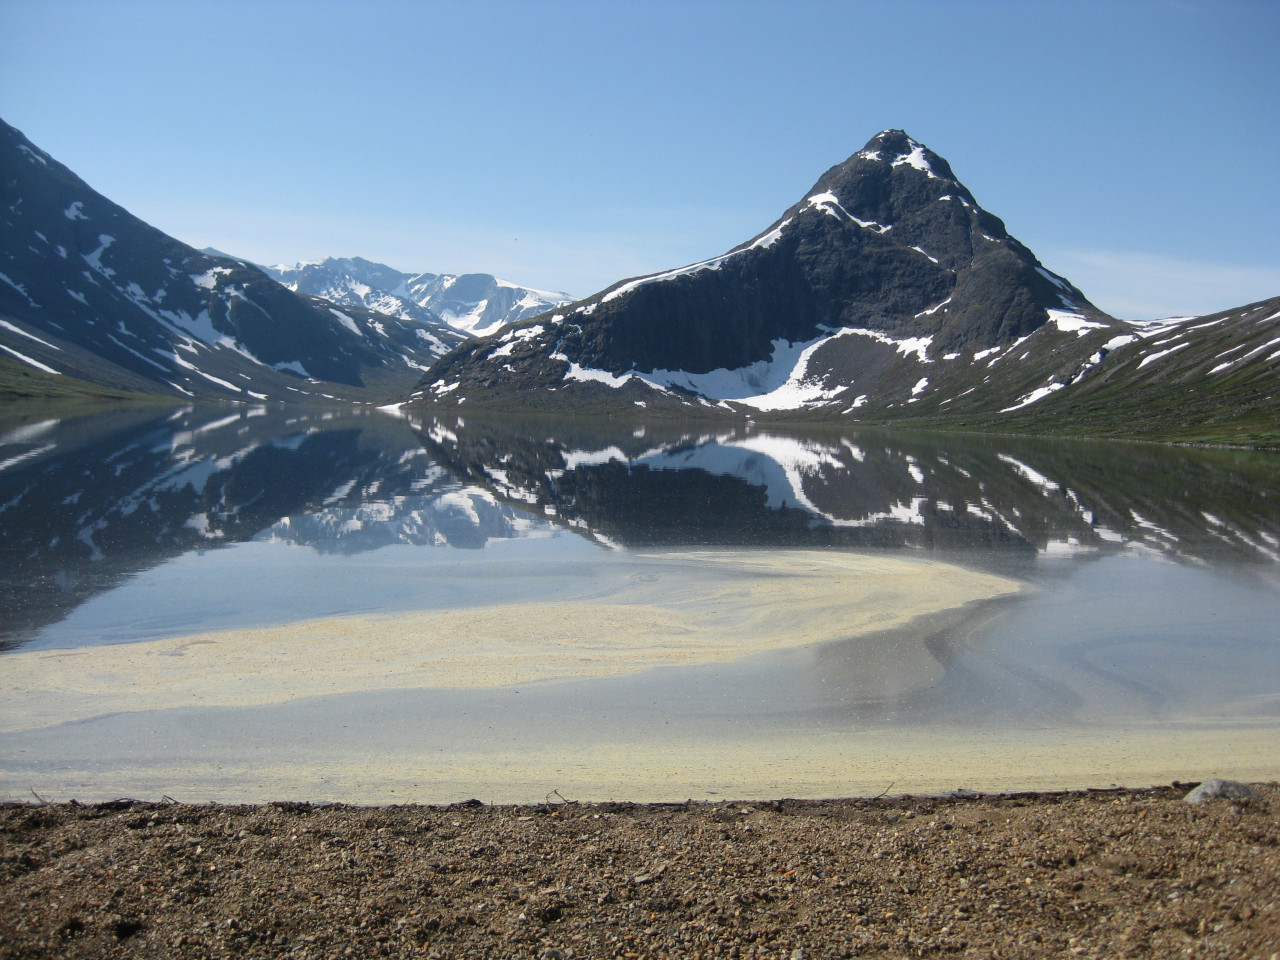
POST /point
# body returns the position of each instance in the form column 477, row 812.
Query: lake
column 244, row 603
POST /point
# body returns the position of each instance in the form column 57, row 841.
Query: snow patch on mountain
column 829, row 203
column 1037, row 394
column 911, row 345
column 22, row 290
column 28, row 360
column 1153, row 328
column 932, row 310
column 1115, row 343
column 209, row 279
column 345, row 320
column 30, row 336
column 713, row 264
column 917, row 159
column 1053, row 278
column 94, row 259
column 590, row 375
column 201, row 326
column 1152, row 357
column 510, row 339
column 774, row 384
column 782, row 382
column 771, row 237
column 1073, row 322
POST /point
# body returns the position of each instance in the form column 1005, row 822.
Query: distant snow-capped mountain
column 89, row 291
column 473, row 303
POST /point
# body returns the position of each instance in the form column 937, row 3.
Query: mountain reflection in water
column 766, row 486
column 88, row 502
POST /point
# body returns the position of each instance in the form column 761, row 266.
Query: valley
column 886, row 297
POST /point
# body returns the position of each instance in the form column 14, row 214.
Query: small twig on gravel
column 885, row 791
column 166, row 799
column 556, row 793
column 43, row 801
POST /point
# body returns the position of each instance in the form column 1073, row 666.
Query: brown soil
column 1100, row 874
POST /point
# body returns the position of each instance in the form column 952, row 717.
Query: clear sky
column 1133, row 145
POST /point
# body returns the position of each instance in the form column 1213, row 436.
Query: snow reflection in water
column 1152, row 609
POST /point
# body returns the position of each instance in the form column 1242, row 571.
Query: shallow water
column 1141, row 643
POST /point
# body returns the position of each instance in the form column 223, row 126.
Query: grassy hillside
column 19, row 381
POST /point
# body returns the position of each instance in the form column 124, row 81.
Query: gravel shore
column 1094, row 874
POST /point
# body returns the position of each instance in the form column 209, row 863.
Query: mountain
column 352, row 282
column 89, row 291
column 887, row 259
column 1210, row 379
column 886, row 293
column 474, row 303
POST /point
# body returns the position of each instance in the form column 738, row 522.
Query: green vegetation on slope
column 20, row 381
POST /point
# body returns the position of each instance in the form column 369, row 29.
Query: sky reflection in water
column 1154, row 570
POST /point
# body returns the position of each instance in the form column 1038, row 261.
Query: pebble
column 583, row 881
column 1220, row 790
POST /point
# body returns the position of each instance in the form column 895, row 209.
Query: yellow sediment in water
column 671, row 609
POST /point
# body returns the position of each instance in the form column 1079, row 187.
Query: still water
column 241, row 603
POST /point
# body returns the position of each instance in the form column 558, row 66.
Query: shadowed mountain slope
column 87, row 290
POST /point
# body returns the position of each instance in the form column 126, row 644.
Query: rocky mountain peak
column 897, row 149
column 888, row 254
column 893, row 178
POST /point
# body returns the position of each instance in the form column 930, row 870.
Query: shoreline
column 799, row 764
column 554, row 801
column 1269, row 790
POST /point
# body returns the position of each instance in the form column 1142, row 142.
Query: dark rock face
column 888, row 241
column 879, row 240
column 90, row 290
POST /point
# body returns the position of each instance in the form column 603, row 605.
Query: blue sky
column 1134, row 146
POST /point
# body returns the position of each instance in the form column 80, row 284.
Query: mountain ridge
column 471, row 303
column 91, row 292
column 885, row 294
column 887, row 241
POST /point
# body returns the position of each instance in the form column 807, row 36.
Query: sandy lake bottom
column 668, row 675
